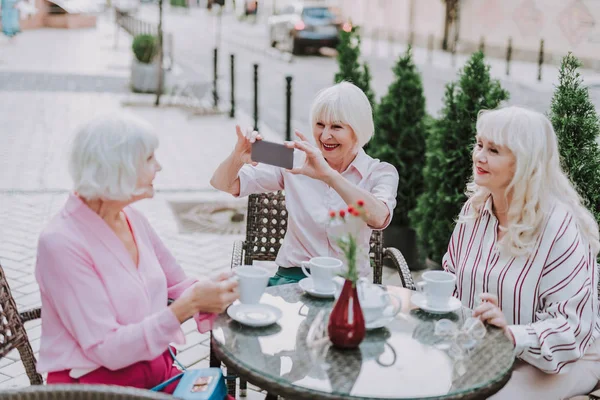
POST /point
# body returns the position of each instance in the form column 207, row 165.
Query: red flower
column 342, row 213
column 351, row 210
column 360, row 203
column 332, row 214
column 355, row 213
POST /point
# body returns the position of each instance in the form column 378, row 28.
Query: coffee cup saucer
column 420, row 300
column 308, row 285
column 255, row 315
column 379, row 322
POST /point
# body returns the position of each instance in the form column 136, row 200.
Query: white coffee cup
column 322, row 272
column 437, row 286
column 376, row 303
column 252, row 282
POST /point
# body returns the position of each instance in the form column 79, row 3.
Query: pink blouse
column 98, row 308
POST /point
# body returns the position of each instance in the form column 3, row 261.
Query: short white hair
column 107, row 154
column 538, row 183
column 344, row 103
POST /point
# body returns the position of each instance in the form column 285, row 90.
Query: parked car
column 306, row 24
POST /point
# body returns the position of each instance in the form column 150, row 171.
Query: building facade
column 564, row 25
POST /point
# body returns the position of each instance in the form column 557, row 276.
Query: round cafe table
column 403, row 360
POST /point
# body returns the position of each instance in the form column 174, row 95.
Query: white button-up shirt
column 309, row 201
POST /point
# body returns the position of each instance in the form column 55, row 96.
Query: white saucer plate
column 378, row 323
column 255, row 315
column 419, row 300
column 308, row 286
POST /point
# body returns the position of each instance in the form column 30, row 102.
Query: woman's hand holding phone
column 243, row 147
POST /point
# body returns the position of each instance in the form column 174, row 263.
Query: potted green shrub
column 144, row 68
column 400, row 140
column 577, row 127
column 448, row 160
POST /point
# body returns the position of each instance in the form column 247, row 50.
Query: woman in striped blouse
column 524, row 254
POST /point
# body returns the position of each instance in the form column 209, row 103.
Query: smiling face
column 150, row 166
column 493, row 165
column 336, row 140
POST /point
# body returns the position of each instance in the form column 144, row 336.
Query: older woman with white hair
column 329, row 173
column 104, row 274
column 524, row 255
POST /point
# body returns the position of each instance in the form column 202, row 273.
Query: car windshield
column 318, row 12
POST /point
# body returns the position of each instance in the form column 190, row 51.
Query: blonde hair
column 538, row 183
column 107, row 155
column 345, row 103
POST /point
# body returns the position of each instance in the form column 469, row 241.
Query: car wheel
column 296, row 47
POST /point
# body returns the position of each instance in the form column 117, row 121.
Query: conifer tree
column 448, row 164
column 350, row 68
column 400, row 134
column 575, row 121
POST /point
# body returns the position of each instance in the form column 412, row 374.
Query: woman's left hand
column 315, row 165
column 490, row 312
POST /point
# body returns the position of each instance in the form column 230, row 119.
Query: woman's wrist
column 331, row 177
column 508, row 333
column 182, row 309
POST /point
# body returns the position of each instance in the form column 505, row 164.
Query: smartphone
column 273, row 154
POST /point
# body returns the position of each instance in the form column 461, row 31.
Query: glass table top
column 405, row 359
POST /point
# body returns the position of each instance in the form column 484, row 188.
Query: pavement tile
column 4, row 377
column 192, row 355
column 191, row 339
column 5, row 361
column 29, row 288
column 13, row 370
column 17, row 382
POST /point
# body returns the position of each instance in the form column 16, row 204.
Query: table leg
column 243, row 387
column 213, row 361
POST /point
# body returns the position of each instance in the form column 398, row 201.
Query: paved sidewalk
column 51, row 81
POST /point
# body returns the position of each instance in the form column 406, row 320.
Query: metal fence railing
column 135, row 26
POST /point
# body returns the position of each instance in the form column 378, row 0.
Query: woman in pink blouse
column 330, row 172
column 104, row 274
column 524, row 255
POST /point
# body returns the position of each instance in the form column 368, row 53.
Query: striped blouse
column 549, row 299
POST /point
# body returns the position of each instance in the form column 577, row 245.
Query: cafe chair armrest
column 401, row 266
column 237, row 258
column 30, row 315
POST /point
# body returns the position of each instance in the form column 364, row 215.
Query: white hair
column 107, row 155
column 538, row 184
column 344, row 103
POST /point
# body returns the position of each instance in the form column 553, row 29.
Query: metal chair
column 12, row 330
column 82, row 392
column 266, row 226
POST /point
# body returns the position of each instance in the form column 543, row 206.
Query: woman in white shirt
column 524, row 255
column 331, row 171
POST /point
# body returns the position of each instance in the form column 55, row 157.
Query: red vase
column 346, row 323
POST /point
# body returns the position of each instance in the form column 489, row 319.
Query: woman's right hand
column 243, row 147
column 211, row 295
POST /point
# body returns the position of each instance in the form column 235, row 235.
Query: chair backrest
column 82, row 392
column 12, row 331
column 267, row 224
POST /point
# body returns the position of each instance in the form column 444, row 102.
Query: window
column 318, row 13
column 287, row 10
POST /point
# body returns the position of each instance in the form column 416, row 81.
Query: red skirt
column 143, row 375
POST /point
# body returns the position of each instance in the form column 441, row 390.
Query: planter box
column 70, row 21
column 144, row 77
